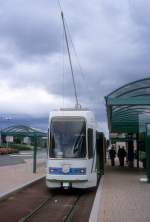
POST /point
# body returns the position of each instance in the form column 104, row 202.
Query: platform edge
column 96, row 205
column 19, row 188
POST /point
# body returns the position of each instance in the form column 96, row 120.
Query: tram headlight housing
column 83, row 171
column 52, row 170
column 72, row 171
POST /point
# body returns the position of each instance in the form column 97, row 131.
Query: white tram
column 72, row 154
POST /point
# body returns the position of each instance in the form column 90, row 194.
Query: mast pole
column 70, row 61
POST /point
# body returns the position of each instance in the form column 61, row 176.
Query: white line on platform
column 143, row 179
column 96, row 205
column 20, row 155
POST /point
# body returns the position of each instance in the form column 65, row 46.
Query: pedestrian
column 121, row 155
column 112, row 155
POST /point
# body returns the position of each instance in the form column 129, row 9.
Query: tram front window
column 68, row 138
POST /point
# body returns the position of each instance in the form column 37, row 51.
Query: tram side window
column 51, row 144
column 90, row 142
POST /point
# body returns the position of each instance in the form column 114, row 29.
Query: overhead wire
column 66, row 29
column 78, row 61
column 69, row 56
column 63, row 60
column 63, row 70
column 62, row 51
column 59, row 5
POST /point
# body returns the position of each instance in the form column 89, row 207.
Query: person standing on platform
column 112, row 155
column 121, row 155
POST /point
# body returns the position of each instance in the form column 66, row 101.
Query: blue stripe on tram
column 72, row 171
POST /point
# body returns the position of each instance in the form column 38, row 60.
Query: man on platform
column 112, row 155
column 121, row 155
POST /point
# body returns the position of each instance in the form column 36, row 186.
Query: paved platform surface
column 124, row 198
column 16, row 175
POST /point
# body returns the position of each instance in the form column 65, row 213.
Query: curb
column 13, row 191
column 96, row 205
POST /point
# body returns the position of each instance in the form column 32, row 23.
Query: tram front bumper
column 59, row 180
column 65, row 183
column 64, row 178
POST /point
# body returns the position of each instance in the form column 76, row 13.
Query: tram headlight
column 52, row 170
column 83, row 171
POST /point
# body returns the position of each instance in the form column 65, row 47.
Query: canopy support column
column 137, row 149
column 34, row 154
column 148, row 152
column 130, row 150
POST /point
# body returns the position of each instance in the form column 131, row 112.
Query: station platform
column 123, row 197
column 14, row 176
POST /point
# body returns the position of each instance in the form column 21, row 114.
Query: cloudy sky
column 112, row 40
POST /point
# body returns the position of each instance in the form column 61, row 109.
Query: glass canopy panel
column 132, row 89
column 23, row 130
column 120, row 114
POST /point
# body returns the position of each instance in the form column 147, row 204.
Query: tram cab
column 72, row 149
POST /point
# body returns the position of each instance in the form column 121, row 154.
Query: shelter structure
column 124, row 107
column 22, row 131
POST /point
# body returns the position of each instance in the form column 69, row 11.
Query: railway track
column 36, row 203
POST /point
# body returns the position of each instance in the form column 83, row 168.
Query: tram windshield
column 68, row 138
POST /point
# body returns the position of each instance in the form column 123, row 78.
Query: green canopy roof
column 21, row 130
column 125, row 104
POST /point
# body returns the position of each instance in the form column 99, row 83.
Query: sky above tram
column 112, row 45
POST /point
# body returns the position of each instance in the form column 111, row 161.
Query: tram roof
column 22, row 130
column 125, row 104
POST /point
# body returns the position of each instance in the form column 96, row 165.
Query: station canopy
column 125, row 105
column 22, row 130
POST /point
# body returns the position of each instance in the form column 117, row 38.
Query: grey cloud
column 5, row 63
column 111, row 37
column 140, row 13
column 31, row 28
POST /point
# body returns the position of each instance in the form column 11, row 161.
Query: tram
column 74, row 150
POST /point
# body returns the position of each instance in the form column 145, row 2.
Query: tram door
column 100, row 143
column 148, row 151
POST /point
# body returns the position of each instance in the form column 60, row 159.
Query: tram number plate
column 66, row 168
column 65, row 184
